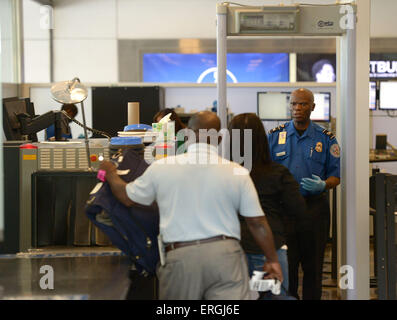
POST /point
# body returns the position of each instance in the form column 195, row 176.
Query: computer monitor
column 387, row 95
column 318, row 67
column 322, row 110
column 372, row 95
column 11, row 124
column 267, row 110
column 19, row 120
column 273, row 106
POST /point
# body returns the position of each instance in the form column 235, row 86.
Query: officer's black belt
column 315, row 197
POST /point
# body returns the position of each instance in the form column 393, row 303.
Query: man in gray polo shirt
column 199, row 196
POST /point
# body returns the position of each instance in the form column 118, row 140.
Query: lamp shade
column 67, row 92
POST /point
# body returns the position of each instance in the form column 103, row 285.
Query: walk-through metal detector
column 349, row 22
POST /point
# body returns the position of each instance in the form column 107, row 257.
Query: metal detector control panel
column 278, row 20
column 298, row 20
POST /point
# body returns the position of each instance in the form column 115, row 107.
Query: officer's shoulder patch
column 279, row 128
column 335, row 150
column 329, row 134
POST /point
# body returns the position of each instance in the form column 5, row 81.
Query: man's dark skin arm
column 117, row 184
column 331, row 182
column 263, row 236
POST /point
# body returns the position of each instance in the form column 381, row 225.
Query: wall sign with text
column 383, row 69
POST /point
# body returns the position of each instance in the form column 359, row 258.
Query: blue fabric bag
column 133, row 230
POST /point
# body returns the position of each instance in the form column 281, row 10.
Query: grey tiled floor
column 330, row 291
column 94, row 273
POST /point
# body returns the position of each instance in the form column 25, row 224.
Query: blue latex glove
column 314, row 186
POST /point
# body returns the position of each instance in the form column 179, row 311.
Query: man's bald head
column 303, row 92
column 302, row 105
column 204, row 120
column 206, row 126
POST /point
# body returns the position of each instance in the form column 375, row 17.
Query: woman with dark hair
column 178, row 126
column 174, row 117
column 277, row 190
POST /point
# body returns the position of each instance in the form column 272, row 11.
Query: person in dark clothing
column 312, row 155
column 278, row 194
column 71, row 110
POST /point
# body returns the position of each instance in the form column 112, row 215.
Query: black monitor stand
column 31, row 125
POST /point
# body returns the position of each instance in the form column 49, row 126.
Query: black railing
column 384, row 188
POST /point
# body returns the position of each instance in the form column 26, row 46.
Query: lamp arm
column 73, row 83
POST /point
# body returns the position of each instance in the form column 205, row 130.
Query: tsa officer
column 312, row 155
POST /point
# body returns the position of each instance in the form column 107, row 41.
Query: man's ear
column 313, row 106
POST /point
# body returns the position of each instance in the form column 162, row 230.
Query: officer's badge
column 319, row 147
column 282, row 136
column 334, row 150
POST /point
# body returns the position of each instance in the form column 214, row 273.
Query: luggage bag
column 133, row 230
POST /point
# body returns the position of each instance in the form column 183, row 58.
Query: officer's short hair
column 70, row 108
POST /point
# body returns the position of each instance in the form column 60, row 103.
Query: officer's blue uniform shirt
column 50, row 132
column 315, row 152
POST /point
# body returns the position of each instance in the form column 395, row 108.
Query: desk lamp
column 71, row 92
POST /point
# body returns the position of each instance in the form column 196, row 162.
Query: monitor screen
column 274, row 106
column 267, row 111
column 322, row 109
column 201, row 67
column 387, row 95
column 372, row 95
column 11, row 109
column 383, row 66
column 318, row 67
column 11, row 125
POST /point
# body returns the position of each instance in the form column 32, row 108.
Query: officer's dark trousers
column 306, row 242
